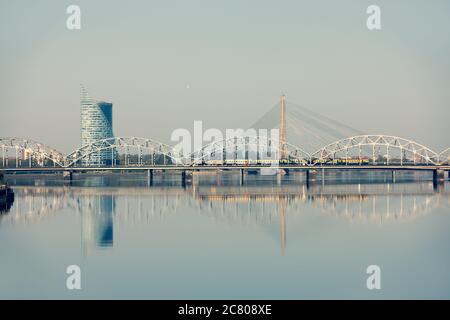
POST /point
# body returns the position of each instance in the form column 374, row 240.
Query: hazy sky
column 165, row 64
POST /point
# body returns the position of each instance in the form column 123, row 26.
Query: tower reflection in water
column 96, row 221
column 102, row 207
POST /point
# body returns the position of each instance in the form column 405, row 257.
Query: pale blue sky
column 236, row 57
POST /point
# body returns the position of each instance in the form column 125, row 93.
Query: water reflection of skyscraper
column 97, row 227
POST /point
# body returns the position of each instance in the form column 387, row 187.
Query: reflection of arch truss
column 256, row 149
column 37, row 203
column 444, row 156
column 128, row 151
column 28, row 153
column 137, row 205
column 377, row 207
column 369, row 147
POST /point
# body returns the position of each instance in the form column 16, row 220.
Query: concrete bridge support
column 438, row 179
column 279, row 176
column 393, row 176
column 242, row 177
column 150, row 177
column 68, row 176
column 438, row 175
column 183, row 178
column 311, row 176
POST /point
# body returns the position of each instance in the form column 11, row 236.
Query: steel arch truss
column 243, row 150
column 444, row 157
column 123, row 151
column 375, row 149
column 18, row 152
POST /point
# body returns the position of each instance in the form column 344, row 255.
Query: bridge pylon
column 282, row 134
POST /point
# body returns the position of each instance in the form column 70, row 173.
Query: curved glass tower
column 96, row 124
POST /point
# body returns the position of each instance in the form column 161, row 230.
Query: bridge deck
column 230, row 167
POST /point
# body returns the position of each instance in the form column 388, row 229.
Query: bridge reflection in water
column 263, row 204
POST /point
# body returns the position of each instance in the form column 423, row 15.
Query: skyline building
column 96, row 124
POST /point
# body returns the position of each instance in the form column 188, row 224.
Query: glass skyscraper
column 96, row 124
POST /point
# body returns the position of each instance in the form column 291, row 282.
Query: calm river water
column 216, row 238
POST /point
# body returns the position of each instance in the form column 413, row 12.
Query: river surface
column 220, row 238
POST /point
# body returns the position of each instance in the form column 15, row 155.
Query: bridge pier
column 311, row 176
column 183, row 178
column 278, row 178
column 67, row 176
column 438, row 179
column 150, row 177
column 438, row 175
column 186, row 177
column 242, row 177
column 393, row 176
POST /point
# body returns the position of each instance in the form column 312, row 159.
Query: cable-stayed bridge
column 306, row 128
